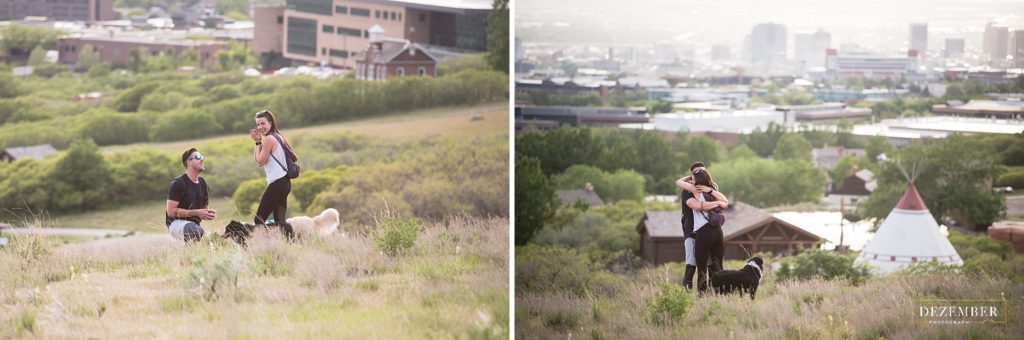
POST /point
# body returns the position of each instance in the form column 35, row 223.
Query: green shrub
column 248, row 194
column 542, row 268
column 395, row 237
column 306, row 187
column 213, row 276
column 159, row 101
column 129, row 100
column 816, row 262
column 26, row 321
column 183, row 125
column 218, row 94
column 179, row 303
column 669, row 305
column 1013, row 177
column 984, row 255
column 49, row 70
column 106, row 127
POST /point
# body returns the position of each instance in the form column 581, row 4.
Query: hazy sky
column 883, row 23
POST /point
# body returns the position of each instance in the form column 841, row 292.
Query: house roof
column 37, row 151
column 828, row 157
column 739, row 219
column 850, row 185
column 569, row 197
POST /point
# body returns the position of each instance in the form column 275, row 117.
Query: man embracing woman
column 704, row 241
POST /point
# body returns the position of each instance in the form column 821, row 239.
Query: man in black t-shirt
column 188, row 200
column 689, row 238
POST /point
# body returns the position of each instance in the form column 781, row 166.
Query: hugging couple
column 704, row 241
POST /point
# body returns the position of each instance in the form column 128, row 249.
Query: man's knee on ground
column 193, row 232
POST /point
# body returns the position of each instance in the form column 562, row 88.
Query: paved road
column 1015, row 206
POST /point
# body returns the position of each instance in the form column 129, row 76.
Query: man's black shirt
column 687, row 220
column 189, row 196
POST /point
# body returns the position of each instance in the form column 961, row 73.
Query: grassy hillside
column 452, row 283
column 451, row 122
column 816, row 309
column 412, row 128
column 619, row 306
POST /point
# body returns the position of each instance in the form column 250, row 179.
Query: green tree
column 844, row 135
column 8, row 86
column 20, row 40
column 741, row 151
column 845, row 167
column 88, row 57
column 560, row 148
column 159, row 101
column 877, row 146
column 703, row 149
column 763, row 142
column 183, row 125
column 769, row 182
column 237, row 6
column 655, row 159
column 106, row 127
column 577, row 177
column 953, row 183
column 128, row 101
column 793, row 146
column 140, row 175
column 36, row 57
column 497, row 36
column 81, row 178
column 535, row 199
column 624, row 185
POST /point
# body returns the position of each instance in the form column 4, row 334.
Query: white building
column 735, row 121
column 841, row 65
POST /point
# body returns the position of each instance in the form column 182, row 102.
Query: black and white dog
column 239, row 231
column 743, row 280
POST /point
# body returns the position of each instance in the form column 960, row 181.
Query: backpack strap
column 280, row 144
column 287, row 149
column 279, row 162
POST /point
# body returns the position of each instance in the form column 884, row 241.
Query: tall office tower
column 954, row 48
column 995, row 44
column 768, row 44
column 919, row 38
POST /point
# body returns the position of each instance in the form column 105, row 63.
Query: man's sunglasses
column 197, row 156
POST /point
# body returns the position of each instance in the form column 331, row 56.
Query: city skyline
column 879, row 26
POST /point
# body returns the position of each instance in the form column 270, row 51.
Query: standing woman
column 270, row 156
column 710, row 241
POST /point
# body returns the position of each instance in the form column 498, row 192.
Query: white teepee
column 908, row 235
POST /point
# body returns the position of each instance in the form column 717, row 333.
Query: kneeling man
column 188, row 200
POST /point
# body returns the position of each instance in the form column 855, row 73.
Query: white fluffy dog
column 323, row 225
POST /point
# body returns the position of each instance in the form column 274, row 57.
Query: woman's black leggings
column 710, row 243
column 275, row 200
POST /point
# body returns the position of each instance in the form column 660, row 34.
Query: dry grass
column 816, row 309
column 453, row 285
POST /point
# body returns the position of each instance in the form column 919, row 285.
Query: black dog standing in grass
column 743, row 280
column 239, row 231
